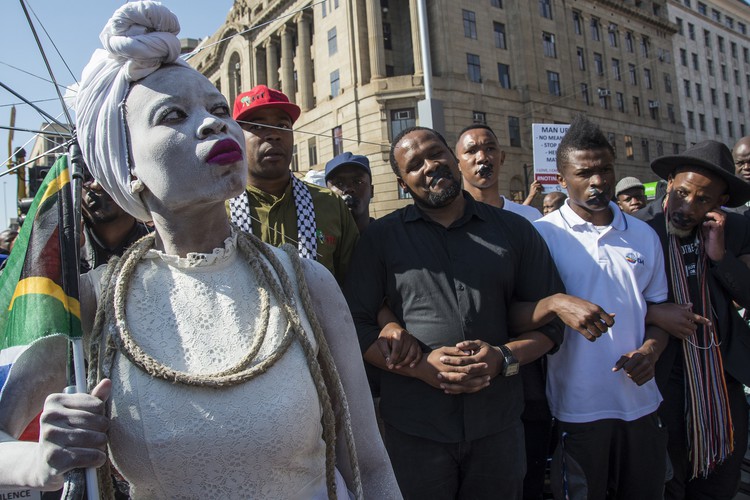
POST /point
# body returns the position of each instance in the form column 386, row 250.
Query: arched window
column 235, row 76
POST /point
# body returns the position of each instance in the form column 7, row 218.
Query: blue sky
column 74, row 27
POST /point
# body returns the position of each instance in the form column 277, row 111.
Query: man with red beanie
column 277, row 207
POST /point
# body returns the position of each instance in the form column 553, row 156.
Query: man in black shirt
column 449, row 267
column 707, row 258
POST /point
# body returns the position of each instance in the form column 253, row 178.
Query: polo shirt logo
column 634, row 259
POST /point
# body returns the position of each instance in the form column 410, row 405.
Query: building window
column 598, row 64
column 633, row 76
column 727, row 101
column 479, row 117
column 387, row 37
column 691, row 31
column 401, row 119
column 694, row 57
column 743, row 29
column 733, row 49
column 629, row 42
column 659, row 148
column 577, row 22
column 707, row 39
column 545, row 8
column 716, row 15
column 714, row 97
column 701, row 122
column 473, row 68
column 332, row 42
column 335, row 84
column 553, row 82
column 686, row 86
column 691, row 120
column 746, row 55
column 721, row 43
column 702, row 8
column 295, row 159
column 636, row 106
column 747, row 80
column 503, row 75
column 613, row 36
column 653, row 109
column 678, row 21
column 645, row 46
column 337, row 135
column 724, row 72
column 499, row 30
column 629, row 147
column 736, row 77
column 730, row 128
column 496, row 3
column 604, row 98
column 647, row 78
column 620, row 99
column 670, row 113
column 698, row 92
column 548, row 44
column 595, row 29
column 470, row 24
column 514, row 131
column 740, row 107
column 683, row 57
column 312, row 151
column 667, row 83
column 710, row 64
column 616, row 69
column 585, row 93
column 717, row 126
column 644, row 148
column 581, row 59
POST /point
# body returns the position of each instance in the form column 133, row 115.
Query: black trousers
column 490, row 467
column 724, row 482
column 618, row 459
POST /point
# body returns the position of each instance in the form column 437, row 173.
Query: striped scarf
column 709, row 423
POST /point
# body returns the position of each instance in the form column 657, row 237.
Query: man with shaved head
column 741, row 156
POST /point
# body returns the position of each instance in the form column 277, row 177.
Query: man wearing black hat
column 349, row 176
column 277, row 207
column 700, row 373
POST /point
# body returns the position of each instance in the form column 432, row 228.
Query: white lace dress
column 258, row 439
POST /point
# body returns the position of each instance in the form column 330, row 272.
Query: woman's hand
column 72, row 434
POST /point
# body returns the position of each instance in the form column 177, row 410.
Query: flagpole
column 76, row 177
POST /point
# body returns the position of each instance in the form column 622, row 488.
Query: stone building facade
column 355, row 69
column 712, row 62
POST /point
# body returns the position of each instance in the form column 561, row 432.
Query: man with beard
column 349, row 176
column 277, row 207
column 741, row 155
column 108, row 230
column 449, row 267
column 602, row 393
column 701, row 372
column 480, row 160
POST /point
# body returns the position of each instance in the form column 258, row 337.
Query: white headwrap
column 139, row 38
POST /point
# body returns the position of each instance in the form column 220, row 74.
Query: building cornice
column 639, row 14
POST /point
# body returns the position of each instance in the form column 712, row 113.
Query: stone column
column 272, row 72
column 415, row 45
column 375, row 39
column 287, row 62
column 304, row 62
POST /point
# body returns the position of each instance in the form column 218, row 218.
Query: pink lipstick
column 224, row 152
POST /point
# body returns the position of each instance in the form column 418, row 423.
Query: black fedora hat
column 710, row 155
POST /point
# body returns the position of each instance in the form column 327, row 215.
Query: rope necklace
column 321, row 364
column 709, row 422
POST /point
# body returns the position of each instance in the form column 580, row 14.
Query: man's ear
column 723, row 200
column 372, row 191
column 502, row 157
column 403, row 185
column 561, row 180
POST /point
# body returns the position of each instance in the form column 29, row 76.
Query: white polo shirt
column 526, row 211
column 619, row 267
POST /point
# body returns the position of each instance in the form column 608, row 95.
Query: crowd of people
column 445, row 350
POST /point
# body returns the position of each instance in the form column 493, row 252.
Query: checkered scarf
column 307, row 243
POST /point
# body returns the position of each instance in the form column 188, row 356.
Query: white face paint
column 186, row 148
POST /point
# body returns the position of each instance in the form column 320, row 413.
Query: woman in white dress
column 229, row 368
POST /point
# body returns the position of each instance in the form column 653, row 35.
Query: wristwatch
column 510, row 363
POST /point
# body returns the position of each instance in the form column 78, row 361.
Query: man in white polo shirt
column 601, row 389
